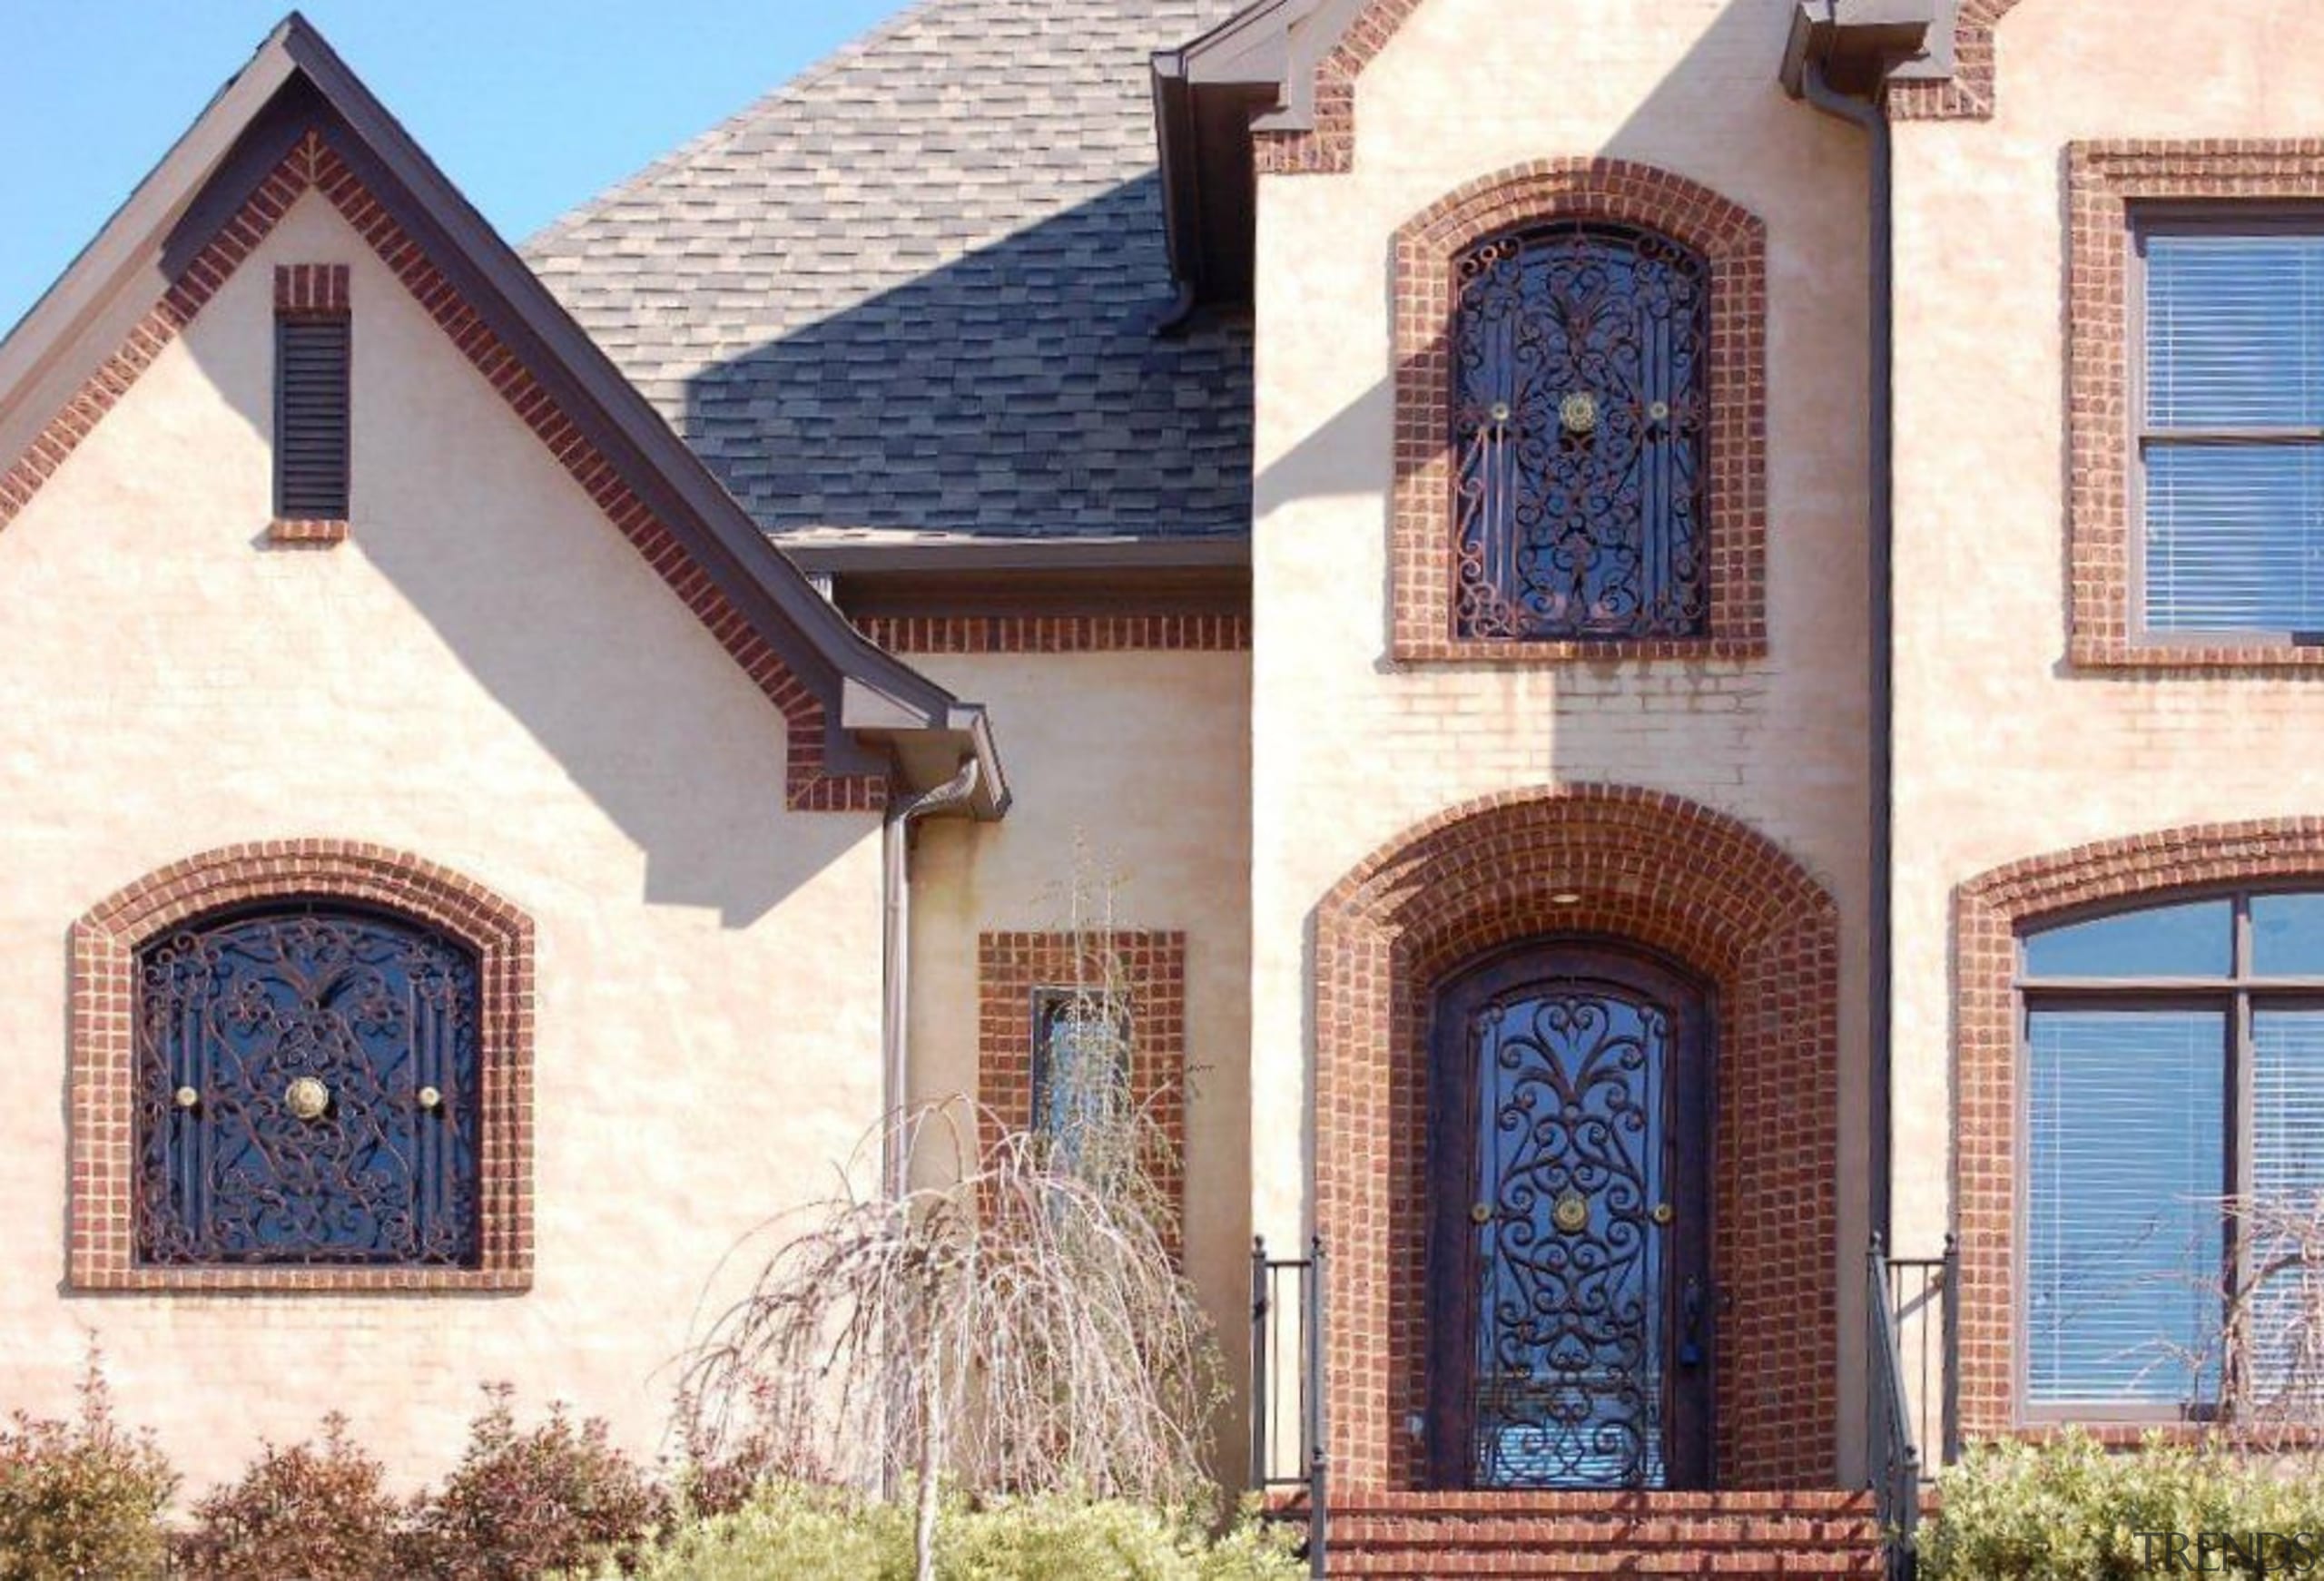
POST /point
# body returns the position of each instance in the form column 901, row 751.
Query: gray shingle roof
column 913, row 290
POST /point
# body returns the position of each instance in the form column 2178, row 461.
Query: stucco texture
column 2004, row 750
column 1351, row 748
column 485, row 675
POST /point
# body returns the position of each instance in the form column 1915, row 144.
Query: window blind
column 2287, row 1300
column 311, row 419
column 2234, row 465
column 2125, row 1149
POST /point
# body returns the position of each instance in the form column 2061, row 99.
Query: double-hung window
column 2173, row 1117
column 2231, row 429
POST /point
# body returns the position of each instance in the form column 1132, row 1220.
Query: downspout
column 1867, row 114
column 895, row 963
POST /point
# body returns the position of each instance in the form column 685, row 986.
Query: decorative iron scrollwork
column 310, row 1040
column 1579, row 353
column 1570, row 1342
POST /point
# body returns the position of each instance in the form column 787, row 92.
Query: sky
column 531, row 106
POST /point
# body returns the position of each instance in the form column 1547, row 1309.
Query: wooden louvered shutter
column 310, row 417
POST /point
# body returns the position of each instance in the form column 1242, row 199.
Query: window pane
column 1080, row 1067
column 2195, row 939
column 2125, row 1160
column 2235, row 537
column 2235, row 331
column 2287, row 1302
column 2287, row 935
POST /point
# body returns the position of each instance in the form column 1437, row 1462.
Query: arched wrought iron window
column 2173, row 1163
column 308, row 1090
column 1580, row 354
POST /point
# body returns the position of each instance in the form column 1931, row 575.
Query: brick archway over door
column 1659, row 872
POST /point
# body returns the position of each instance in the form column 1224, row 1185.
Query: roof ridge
column 809, row 77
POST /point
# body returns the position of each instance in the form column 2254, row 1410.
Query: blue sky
column 530, row 106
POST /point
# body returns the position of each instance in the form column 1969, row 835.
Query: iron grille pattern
column 1580, row 356
column 1569, row 1349
column 306, row 1092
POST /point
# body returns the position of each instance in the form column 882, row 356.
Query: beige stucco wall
column 2000, row 752
column 1349, row 751
column 1132, row 769
column 487, row 675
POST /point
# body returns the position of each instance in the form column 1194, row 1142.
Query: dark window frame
column 2147, row 219
column 2234, row 996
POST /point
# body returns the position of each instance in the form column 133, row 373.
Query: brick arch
column 1988, row 913
column 101, row 1061
column 1733, row 243
column 1657, row 870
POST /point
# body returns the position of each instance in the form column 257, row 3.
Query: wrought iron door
column 1570, row 1339
column 1581, row 352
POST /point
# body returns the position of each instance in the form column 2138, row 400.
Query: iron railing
column 1910, row 1312
column 1287, row 1400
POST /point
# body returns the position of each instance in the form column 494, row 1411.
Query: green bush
column 795, row 1531
column 81, row 1500
column 318, row 1511
column 2072, row 1511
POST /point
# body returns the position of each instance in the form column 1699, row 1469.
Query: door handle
column 1691, row 1323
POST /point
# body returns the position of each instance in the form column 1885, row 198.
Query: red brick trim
column 316, row 288
column 1421, row 527
column 1670, row 875
column 315, row 164
column 1330, row 145
column 1988, row 912
column 1969, row 94
column 2102, row 181
column 1148, row 966
column 304, row 533
column 101, row 1079
column 1059, row 634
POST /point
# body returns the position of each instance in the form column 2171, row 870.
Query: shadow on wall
column 1017, row 389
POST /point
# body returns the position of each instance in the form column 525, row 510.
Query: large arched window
column 308, row 1090
column 1579, row 354
column 2172, row 1083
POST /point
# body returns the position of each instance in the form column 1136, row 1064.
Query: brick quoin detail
column 314, row 165
column 100, row 1083
column 1733, row 242
column 1148, row 966
column 1064, row 633
column 1970, row 93
column 1654, row 870
column 2103, row 180
column 1989, row 913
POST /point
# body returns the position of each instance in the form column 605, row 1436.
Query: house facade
column 1683, row 636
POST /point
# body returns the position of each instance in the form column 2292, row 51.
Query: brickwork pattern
column 1989, row 912
column 316, row 288
column 1669, row 875
column 2103, row 180
column 1733, row 242
column 1969, row 94
column 315, row 165
column 1148, row 966
column 101, row 1082
column 1059, row 634
column 1329, row 146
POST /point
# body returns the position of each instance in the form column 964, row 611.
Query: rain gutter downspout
column 895, row 961
column 1866, row 113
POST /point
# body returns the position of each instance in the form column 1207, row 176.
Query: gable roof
column 295, row 117
column 915, row 293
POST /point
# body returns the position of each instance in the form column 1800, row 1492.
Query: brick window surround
column 1989, row 912
column 309, row 291
column 101, row 1205
column 1607, row 862
column 1733, row 243
column 2104, row 182
column 1146, row 967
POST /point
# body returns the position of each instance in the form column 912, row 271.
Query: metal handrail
column 1893, row 1458
column 1308, row 1469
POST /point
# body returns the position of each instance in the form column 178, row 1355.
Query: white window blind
column 2125, row 1148
column 2287, row 1297
column 2234, row 441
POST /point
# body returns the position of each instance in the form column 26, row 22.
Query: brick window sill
column 281, row 1279
column 1452, row 650
column 305, row 532
column 2110, row 654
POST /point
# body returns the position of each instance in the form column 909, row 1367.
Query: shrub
column 805, row 1533
column 315, row 1511
column 82, row 1500
column 2072, row 1511
column 521, row 1503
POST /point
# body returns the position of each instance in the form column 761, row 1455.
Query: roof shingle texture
column 913, row 292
